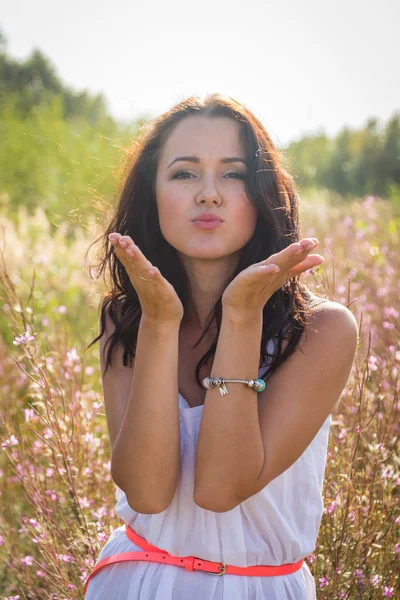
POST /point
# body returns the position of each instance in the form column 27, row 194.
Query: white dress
column 277, row 525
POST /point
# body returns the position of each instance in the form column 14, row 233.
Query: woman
column 208, row 484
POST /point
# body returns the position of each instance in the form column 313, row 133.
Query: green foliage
column 60, row 150
column 355, row 163
column 60, row 165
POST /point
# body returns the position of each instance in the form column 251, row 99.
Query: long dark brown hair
column 271, row 189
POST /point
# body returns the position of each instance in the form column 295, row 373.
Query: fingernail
column 309, row 245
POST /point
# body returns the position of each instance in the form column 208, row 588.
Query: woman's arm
column 230, row 452
column 247, row 439
column 145, row 460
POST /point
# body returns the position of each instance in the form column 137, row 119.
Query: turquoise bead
column 261, row 385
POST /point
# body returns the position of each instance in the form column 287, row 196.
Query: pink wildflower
column 323, row 582
column 376, row 579
column 29, row 414
column 12, row 441
column 332, row 507
column 24, row 339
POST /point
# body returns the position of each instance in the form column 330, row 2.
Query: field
column 57, row 494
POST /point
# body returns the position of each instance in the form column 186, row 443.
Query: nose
column 209, row 195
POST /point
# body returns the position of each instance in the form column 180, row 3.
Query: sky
column 300, row 66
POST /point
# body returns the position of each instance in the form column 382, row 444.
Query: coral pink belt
column 190, row 563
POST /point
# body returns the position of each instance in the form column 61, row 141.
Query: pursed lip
column 208, row 217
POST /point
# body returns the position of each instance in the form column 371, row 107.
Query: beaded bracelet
column 209, row 382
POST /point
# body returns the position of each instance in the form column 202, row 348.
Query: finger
column 114, row 237
column 127, row 246
column 122, row 243
column 140, row 259
column 293, row 251
column 305, row 245
column 125, row 241
column 120, row 240
column 301, row 253
column 311, row 261
column 132, row 257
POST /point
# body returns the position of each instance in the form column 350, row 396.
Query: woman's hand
column 158, row 298
column 248, row 293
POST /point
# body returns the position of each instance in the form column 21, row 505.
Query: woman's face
column 188, row 188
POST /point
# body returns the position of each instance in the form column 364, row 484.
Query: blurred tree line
column 354, row 163
column 60, row 149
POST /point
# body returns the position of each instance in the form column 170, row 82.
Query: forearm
column 146, row 455
column 230, row 451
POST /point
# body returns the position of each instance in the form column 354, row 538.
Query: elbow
column 144, row 506
column 217, row 504
column 141, row 505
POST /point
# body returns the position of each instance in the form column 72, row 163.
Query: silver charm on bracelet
column 209, row 382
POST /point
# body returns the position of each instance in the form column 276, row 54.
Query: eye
column 178, row 175
column 239, row 175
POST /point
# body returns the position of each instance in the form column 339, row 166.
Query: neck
column 208, row 280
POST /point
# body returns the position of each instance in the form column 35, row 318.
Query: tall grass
column 57, row 496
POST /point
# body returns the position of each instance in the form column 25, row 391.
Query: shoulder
column 333, row 325
column 326, row 352
column 331, row 313
column 328, row 320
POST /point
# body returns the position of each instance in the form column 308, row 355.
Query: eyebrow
column 195, row 159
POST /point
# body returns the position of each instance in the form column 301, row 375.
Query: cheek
column 170, row 213
column 245, row 216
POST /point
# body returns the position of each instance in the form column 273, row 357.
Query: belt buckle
column 218, row 574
